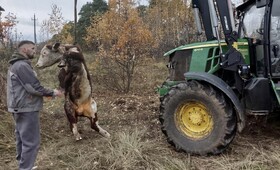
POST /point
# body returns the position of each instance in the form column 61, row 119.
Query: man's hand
column 58, row 93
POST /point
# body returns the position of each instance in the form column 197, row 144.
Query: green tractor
column 213, row 86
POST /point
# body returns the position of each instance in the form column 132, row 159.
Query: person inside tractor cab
column 252, row 23
column 253, row 28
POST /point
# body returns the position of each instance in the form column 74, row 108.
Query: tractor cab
column 275, row 39
column 254, row 22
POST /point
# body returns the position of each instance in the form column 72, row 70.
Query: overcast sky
column 25, row 10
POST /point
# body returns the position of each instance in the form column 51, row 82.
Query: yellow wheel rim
column 194, row 120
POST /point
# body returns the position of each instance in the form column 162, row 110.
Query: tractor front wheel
column 197, row 119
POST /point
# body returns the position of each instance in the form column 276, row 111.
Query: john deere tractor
column 213, row 86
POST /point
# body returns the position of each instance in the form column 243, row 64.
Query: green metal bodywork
column 165, row 87
column 208, row 52
column 201, row 51
column 205, row 58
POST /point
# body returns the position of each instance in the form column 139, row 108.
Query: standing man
column 25, row 100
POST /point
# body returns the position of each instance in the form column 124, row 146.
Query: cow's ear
column 56, row 45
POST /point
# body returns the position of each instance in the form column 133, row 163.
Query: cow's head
column 49, row 55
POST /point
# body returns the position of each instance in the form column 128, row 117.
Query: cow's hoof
column 105, row 134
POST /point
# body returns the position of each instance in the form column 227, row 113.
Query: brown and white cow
column 74, row 78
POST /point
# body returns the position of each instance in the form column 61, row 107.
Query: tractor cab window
column 275, row 38
column 253, row 26
column 253, row 23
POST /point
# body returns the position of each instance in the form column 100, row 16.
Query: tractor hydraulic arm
column 208, row 10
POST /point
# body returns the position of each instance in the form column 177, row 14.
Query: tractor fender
column 225, row 88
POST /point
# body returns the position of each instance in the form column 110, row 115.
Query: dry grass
column 137, row 142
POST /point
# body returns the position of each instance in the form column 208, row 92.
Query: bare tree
column 54, row 24
column 7, row 29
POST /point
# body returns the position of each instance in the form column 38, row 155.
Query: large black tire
column 197, row 119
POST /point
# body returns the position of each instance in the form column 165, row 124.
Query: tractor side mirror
column 275, row 49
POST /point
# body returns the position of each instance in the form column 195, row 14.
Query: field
column 136, row 142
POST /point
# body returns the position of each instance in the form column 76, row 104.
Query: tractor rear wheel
column 197, row 119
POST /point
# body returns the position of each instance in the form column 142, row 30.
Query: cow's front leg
column 69, row 108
